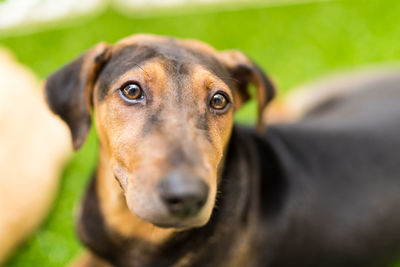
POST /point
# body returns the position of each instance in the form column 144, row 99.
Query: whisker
column 141, row 69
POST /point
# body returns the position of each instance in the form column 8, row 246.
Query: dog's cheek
column 99, row 121
column 120, row 174
column 119, row 126
column 221, row 129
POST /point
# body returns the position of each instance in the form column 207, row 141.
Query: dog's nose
column 183, row 195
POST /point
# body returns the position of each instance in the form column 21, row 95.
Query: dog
column 179, row 184
column 34, row 147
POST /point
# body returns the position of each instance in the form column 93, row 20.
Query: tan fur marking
column 88, row 259
column 204, row 83
column 131, row 157
column 116, row 213
column 112, row 199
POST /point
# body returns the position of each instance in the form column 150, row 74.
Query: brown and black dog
column 178, row 184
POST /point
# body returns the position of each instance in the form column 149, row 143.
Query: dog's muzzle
column 183, row 195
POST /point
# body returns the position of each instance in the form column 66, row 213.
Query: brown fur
column 172, row 130
column 88, row 259
column 115, row 123
column 117, row 214
column 326, row 181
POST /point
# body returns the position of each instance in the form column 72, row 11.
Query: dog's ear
column 69, row 90
column 246, row 72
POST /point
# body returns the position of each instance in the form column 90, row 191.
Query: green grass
column 294, row 43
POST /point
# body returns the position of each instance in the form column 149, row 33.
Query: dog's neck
column 117, row 235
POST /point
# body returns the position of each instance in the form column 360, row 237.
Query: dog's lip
column 119, row 182
column 179, row 226
column 172, row 222
column 168, row 225
column 121, row 177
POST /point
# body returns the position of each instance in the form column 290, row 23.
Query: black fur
column 66, row 97
column 235, row 211
column 67, row 94
column 324, row 191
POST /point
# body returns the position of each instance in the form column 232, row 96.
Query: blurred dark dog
column 179, row 185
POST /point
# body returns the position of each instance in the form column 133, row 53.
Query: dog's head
column 163, row 111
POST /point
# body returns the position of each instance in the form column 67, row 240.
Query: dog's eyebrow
column 106, row 80
column 122, row 61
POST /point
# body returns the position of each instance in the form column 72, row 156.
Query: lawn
column 294, row 43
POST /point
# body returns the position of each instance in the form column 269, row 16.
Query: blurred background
column 295, row 41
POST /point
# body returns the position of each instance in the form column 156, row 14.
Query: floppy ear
column 245, row 72
column 69, row 90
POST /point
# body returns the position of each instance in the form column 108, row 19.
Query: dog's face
column 163, row 111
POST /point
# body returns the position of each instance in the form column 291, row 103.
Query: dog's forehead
column 149, row 39
column 171, row 51
column 176, row 56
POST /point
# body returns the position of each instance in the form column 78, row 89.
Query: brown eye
column 132, row 92
column 218, row 101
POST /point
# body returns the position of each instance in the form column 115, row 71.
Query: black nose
column 183, row 195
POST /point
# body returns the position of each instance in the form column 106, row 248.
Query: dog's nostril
column 175, row 203
column 183, row 196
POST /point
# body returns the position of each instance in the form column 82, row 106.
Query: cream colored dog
column 34, row 145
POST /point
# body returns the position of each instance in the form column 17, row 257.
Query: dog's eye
column 132, row 91
column 218, row 101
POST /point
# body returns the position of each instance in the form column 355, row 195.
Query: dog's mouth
column 168, row 211
column 179, row 200
column 164, row 219
column 177, row 216
column 179, row 225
